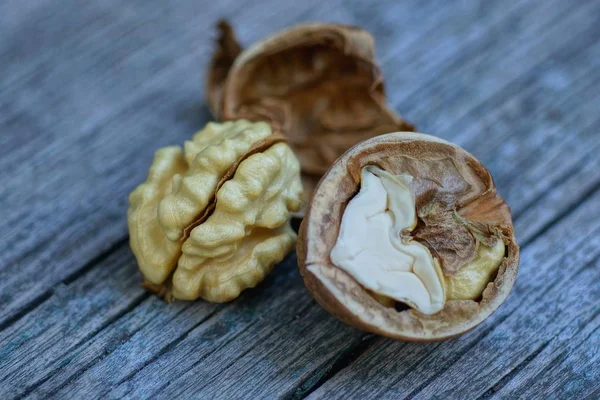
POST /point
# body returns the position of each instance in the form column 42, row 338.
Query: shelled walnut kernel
column 212, row 219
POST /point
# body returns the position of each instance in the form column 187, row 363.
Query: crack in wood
column 27, row 308
column 115, row 246
column 515, row 370
column 341, row 360
column 595, row 395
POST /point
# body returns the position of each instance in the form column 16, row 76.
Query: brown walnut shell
column 448, row 181
column 317, row 83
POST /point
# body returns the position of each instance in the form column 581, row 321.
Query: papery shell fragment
column 318, row 84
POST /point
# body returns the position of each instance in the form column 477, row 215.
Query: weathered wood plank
column 262, row 361
column 93, row 349
column 186, row 348
column 50, row 240
column 88, row 118
column 149, row 374
column 68, row 319
column 568, row 367
column 278, row 360
column 95, row 96
column 491, row 62
column 190, row 333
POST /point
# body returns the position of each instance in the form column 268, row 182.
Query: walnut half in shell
column 406, row 237
column 212, row 219
column 318, row 84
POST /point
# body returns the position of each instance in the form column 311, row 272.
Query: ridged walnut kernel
column 212, row 219
column 408, row 219
column 318, row 84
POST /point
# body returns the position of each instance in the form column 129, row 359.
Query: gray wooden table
column 89, row 90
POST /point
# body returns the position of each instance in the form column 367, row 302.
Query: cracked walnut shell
column 317, row 83
column 407, row 237
column 212, row 219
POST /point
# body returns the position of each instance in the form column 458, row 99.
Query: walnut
column 318, row 84
column 212, row 219
column 407, row 237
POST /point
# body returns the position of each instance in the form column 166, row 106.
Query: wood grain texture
column 89, row 91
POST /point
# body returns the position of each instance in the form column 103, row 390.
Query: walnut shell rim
column 342, row 296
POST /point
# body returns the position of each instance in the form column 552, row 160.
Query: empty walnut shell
column 318, row 84
column 212, row 219
column 454, row 219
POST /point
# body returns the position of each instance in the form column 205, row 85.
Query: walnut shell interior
column 458, row 209
column 318, row 84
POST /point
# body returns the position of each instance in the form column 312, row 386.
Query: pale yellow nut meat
column 213, row 135
column 210, row 155
column 222, row 279
column 156, row 255
column 472, row 278
column 249, row 187
column 253, row 204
